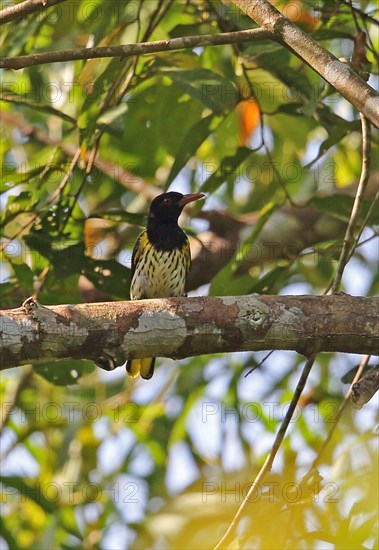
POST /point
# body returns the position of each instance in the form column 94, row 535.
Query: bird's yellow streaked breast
column 159, row 273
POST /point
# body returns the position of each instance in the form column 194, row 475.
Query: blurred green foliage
column 94, row 460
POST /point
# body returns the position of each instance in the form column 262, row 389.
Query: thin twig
column 52, row 198
column 360, row 12
column 364, row 223
column 39, row 283
column 353, row 13
column 369, row 44
column 156, row 17
column 280, row 179
column 65, row 178
column 86, row 173
column 369, row 239
column 259, row 364
column 365, row 173
column 356, row 242
column 238, row 52
column 91, row 162
column 19, row 232
column 253, row 95
column 275, row 447
column 128, row 50
column 127, row 179
column 108, row 102
column 25, row 8
column 338, row 74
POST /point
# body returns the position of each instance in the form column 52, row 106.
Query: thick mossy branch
column 184, row 327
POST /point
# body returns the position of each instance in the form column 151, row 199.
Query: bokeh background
column 92, row 459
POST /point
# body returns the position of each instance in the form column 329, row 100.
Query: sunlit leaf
column 191, row 142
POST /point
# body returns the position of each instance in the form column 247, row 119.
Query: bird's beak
column 190, row 198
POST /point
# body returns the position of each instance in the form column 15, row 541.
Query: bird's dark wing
column 138, row 249
column 186, row 251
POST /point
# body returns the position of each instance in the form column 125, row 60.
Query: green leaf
column 227, row 281
column 179, row 430
column 272, row 281
column 336, row 206
column 67, row 517
column 153, row 130
column 294, row 109
column 24, row 277
column 226, row 170
column 348, row 377
column 121, row 215
column 7, row 535
column 90, row 111
column 339, row 206
column 215, row 91
column 16, row 204
column 17, row 36
column 275, row 60
column 330, row 34
column 191, row 142
column 30, row 491
column 10, row 176
column 112, row 114
column 11, row 97
column 337, row 129
column 64, row 372
column 109, row 276
column 68, row 260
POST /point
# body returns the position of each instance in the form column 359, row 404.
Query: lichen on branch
column 185, row 327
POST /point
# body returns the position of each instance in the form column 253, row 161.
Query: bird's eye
column 167, row 202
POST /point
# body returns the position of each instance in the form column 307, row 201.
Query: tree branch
column 276, row 27
column 184, row 327
column 286, row 234
column 338, row 74
column 348, row 243
column 25, row 8
column 141, row 48
column 366, row 388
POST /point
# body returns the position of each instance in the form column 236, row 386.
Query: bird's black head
column 166, row 208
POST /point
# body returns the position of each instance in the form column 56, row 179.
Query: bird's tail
column 144, row 367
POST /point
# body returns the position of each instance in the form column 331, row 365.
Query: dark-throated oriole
column 160, row 261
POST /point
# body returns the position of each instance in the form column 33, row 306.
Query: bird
column 161, row 259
